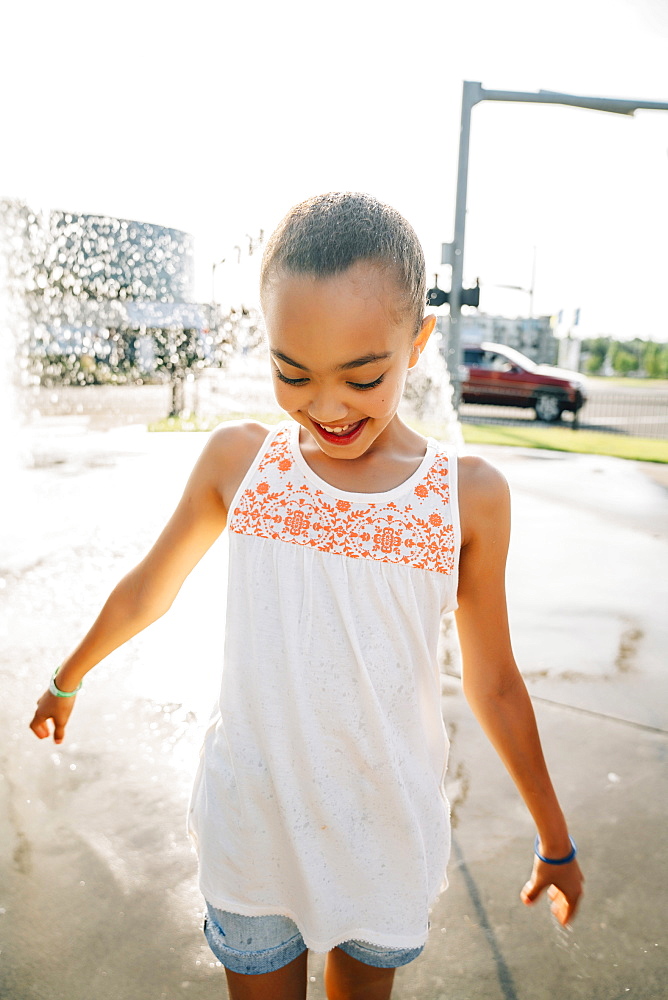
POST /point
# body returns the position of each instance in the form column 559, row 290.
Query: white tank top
column 319, row 793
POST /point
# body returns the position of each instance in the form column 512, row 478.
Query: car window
column 495, row 362
column 481, row 359
column 517, row 359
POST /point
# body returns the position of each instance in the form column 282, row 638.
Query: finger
column 58, row 734
column 531, row 892
column 563, row 908
column 572, row 908
column 39, row 727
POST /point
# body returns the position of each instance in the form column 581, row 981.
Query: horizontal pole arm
column 621, row 106
column 613, row 105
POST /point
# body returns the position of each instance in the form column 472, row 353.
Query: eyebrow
column 366, row 359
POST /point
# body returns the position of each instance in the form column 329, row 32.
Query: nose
column 327, row 407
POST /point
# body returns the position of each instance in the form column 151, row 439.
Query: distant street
column 642, row 412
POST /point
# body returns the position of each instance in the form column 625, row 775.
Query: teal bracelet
column 555, row 861
column 62, row 694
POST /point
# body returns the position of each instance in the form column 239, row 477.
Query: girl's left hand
column 563, row 884
column 52, row 709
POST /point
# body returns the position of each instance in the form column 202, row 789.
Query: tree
column 622, row 360
column 655, row 360
column 594, row 363
column 596, row 350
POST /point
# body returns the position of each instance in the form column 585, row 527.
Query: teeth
column 336, row 430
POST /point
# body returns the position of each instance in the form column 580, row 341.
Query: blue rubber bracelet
column 62, row 694
column 555, row 861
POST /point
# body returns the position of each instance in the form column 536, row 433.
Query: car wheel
column 548, row 407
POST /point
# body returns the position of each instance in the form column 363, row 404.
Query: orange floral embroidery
column 297, row 523
column 388, row 540
column 419, row 534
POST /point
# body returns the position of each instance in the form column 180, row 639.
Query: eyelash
column 302, row 381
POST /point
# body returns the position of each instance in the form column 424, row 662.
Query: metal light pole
column 472, row 94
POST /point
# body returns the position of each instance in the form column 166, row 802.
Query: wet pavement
column 98, row 894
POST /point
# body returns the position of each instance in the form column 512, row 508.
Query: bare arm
column 492, row 683
column 148, row 590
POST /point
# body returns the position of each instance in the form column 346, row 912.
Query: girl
column 318, row 809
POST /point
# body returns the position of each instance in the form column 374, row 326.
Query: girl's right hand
column 563, row 885
column 50, row 708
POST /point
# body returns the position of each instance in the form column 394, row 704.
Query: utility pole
column 472, row 94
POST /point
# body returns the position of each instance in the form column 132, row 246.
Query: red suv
column 500, row 375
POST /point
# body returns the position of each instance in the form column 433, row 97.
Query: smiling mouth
column 340, row 435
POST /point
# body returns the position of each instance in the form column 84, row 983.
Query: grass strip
column 628, row 381
column 566, row 439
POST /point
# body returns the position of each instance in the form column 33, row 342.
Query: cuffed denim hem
column 379, row 956
column 251, row 961
column 253, row 946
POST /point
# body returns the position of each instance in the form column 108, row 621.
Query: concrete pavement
column 97, row 880
column 588, row 591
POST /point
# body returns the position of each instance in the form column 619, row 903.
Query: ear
column 426, row 330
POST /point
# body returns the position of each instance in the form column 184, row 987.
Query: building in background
column 533, row 336
column 99, row 299
column 101, row 258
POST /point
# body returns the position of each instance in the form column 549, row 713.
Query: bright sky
column 216, row 118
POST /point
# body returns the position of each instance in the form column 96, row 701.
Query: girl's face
column 340, row 351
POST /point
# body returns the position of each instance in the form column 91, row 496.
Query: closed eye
column 289, row 381
column 302, row 381
column 367, row 385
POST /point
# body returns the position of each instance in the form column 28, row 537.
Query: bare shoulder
column 230, row 452
column 238, row 437
column 480, row 478
column 484, row 496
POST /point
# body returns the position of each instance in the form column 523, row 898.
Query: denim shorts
column 255, row 945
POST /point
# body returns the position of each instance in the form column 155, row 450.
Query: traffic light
column 437, row 297
column 469, row 296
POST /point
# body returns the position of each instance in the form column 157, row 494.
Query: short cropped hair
column 325, row 235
